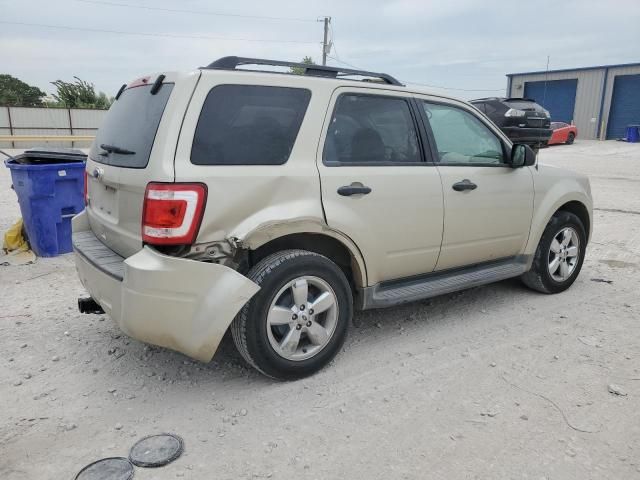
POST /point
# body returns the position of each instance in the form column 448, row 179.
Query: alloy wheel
column 564, row 254
column 302, row 318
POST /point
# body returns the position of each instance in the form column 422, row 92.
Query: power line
column 343, row 63
column 426, row 84
column 337, row 59
column 197, row 12
column 150, row 34
column 456, row 89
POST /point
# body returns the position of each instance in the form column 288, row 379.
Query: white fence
column 42, row 121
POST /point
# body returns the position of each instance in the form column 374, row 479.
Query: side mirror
column 522, row 156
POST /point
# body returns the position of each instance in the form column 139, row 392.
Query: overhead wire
column 197, row 12
column 339, row 60
column 151, row 34
column 426, row 84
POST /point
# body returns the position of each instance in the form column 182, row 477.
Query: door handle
column 353, row 189
column 464, row 185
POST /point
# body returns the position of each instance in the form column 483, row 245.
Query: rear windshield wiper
column 115, row 149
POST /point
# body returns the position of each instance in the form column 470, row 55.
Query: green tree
column 79, row 94
column 16, row 93
column 300, row 70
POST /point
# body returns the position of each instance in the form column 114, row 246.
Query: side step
column 396, row 292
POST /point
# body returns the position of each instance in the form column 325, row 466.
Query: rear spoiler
column 157, row 85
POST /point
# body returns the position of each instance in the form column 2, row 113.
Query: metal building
column 601, row 101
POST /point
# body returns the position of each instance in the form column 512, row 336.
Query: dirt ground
column 496, row 382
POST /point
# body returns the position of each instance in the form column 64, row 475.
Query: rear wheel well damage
column 580, row 211
column 325, row 245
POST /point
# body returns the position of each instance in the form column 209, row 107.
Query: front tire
column 559, row 256
column 298, row 321
column 570, row 138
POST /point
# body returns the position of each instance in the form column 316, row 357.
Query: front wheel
column 298, row 320
column 559, row 256
column 570, row 138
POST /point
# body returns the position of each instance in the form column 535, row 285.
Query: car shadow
column 173, row 372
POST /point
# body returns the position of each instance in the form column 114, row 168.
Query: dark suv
column 522, row 119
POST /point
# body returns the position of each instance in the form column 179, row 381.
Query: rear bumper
column 529, row 136
column 176, row 303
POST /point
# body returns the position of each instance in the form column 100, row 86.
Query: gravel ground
column 495, row 382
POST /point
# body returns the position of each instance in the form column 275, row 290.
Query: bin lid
column 44, row 155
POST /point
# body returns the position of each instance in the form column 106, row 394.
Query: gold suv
column 275, row 204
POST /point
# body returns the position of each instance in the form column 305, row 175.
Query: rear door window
column 371, row 129
column 130, row 125
column 248, row 125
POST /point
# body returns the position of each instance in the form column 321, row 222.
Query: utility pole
column 326, row 45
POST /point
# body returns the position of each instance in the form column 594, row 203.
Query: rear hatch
column 535, row 116
column 134, row 146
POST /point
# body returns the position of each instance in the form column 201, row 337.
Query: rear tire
column 555, row 267
column 570, row 138
column 277, row 331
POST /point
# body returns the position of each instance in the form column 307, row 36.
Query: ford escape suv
column 274, row 205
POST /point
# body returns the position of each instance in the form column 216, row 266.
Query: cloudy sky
column 465, row 45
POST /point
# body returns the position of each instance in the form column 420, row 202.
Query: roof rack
column 230, row 63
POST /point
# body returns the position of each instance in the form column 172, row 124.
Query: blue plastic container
column 633, row 133
column 49, row 194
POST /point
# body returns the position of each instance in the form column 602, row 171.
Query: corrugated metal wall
column 49, row 121
column 631, row 70
column 588, row 95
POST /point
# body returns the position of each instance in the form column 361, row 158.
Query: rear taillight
column 172, row 213
column 86, row 195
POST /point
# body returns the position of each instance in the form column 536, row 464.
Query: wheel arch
column 578, row 207
column 577, row 202
column 338, row 248
column 580, row 210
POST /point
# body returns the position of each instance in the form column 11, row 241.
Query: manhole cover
column 113, row 468
column 156, row 450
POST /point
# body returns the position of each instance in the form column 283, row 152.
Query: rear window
column 248, row 125
column 131, row 125
column 523, row 105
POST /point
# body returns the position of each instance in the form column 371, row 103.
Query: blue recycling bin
column 50, row 189
column 633, row 133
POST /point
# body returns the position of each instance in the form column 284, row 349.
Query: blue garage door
column 625, row 105
column 559, row 97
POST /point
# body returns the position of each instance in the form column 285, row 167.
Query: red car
column 563, row 133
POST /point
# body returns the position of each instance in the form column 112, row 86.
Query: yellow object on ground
column 14, row 239
column 16, row 247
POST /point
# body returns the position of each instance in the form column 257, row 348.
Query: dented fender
column 268, row 231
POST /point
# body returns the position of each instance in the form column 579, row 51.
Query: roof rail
column 230, row 63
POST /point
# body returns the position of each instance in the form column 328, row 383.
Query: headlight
column 546, row 113
column 512, row 112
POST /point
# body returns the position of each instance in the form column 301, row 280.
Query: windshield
column 129, row 129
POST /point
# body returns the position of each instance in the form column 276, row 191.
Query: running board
column 396, row 292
